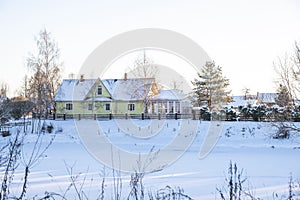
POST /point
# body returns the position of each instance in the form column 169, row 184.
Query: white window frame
column 131, row 107
column 107, row 104
column 90, row 106
column 69, row 106
column 99, row 88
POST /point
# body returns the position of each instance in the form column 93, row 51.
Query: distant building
column 242, row 101
column 267, row 99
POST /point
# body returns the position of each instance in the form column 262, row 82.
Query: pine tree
column 211, row 87
column 283, row 97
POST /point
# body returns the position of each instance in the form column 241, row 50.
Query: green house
column 96, row 96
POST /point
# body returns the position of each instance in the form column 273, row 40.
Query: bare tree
column 10, row 154
column 288, row 71
column 285, row 71
column 246, row 92
column 144, row 67
column 3, row 90
column 22, row 91
column 145, row 70
column 46, row 68
column 5, row 107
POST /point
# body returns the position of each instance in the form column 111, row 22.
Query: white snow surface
column 267, row 163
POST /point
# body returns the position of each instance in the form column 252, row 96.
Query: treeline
column 252, row 113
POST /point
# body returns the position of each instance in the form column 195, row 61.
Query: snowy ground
column 267, row 163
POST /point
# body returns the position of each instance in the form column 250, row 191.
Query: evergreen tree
column 283, row 96
column 211, row 88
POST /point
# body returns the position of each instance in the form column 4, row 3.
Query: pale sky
column 243, row 37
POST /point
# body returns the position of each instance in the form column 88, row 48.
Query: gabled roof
column 74, row 89
column 119, row 89
column 128, row 89
column 171, row 95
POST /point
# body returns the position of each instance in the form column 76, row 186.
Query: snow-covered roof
column 266, row 97
column 74, row 89
column 119, row 89
column 171, row 95
column 241, row 101
column 128, row 89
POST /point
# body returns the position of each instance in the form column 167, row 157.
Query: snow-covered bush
column 246, row 112
column 205, row 114
column 230, row 114
column 259, row 112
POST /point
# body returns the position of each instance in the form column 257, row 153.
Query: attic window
column 99, row 90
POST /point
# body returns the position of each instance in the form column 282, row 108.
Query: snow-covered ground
column 267, row 163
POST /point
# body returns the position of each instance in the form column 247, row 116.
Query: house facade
column 117, row 96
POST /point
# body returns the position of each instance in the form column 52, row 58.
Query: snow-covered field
column 267, row 163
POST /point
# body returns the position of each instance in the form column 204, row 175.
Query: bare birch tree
column 46, row 68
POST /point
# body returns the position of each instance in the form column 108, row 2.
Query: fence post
column 176, row 116
column 159, row 117
column 126, row 115
column 64, row 116
column 95, row 116
column 54, row 117
column 143, row 116
column 79, row 117
column 110, row 116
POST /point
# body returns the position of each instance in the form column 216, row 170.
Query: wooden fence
column 141, row 116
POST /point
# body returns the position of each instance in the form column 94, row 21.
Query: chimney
column 125, row 76
column 81, row 77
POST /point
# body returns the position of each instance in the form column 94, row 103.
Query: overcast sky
column 243, row 37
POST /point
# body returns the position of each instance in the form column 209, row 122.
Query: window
column 177, row 107
column 171, row 107
column 107, row 106
column 69, row 106
column 131, row 107
column 99, row 90
column 90, row 106
column 162, row 107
